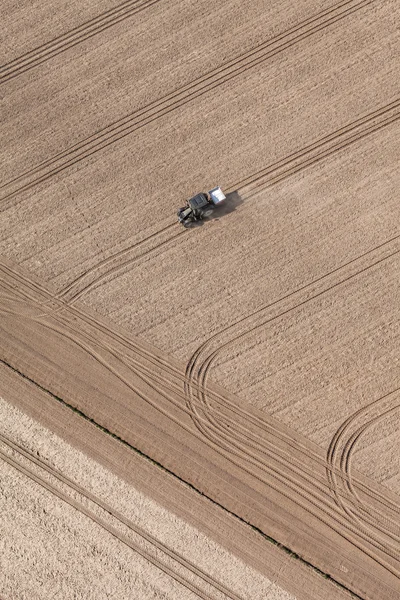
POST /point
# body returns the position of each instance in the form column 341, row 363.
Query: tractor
column 200, row 206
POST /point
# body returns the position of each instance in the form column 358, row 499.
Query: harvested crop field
column 255, row 358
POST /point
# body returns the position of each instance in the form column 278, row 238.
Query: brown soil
column 189, row 535
column 89, row 534
column 238, row 456
column 255, row 357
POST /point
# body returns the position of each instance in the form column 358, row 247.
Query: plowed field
column 256, row 357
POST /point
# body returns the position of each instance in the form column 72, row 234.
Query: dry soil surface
column 72, row 529
column 104, row 519
column 256, row 356
column 314, row 503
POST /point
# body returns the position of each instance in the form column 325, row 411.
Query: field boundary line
column 79, row 506
column 175, row 373
column 127, row 444
column 316, row 507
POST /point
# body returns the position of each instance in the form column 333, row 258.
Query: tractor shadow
column 233, row 200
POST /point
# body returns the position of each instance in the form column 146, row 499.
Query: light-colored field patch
column 255, row 357
column 50, row 549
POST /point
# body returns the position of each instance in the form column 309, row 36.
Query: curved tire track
column 339, row 456
column 303, row 494
column 128, row 344
column 112, row 265
column 198, row 402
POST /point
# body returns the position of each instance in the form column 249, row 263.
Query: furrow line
column 265, row 449
column 302, row 497
column 160, row 108
column 79, row 506
column 72, row 38
column 301, row 494
column 176, row 373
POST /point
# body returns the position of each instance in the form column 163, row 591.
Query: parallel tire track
column 119, row 129
column 235, row 452
column 306, row 496
column 70, row 331
column 62, row 309
column 320, row 149
column 350, row 447
column 197, row 372
column 341, row 450
column 128, row 345
column 113, row 264
column 71, row 38
column 251, row 445
column 117, row 516
column 274, row 173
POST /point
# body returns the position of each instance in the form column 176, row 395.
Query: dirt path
column 236, row 456
column 115, row 502
column 58, row 502
column 275, row 379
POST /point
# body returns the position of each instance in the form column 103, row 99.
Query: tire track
column 307, row 494
column 195, row 369
column 347, row 455
column 176, row 390
column 299, row 493
column 197, row 372
column 147, row 356
column 308, row 156
column 62, row 307
column 148, row 377
column 322, row 148
column 121, row 128
column 341, row 449
column 71, row 38
column 117, row 516
column 261, row 450
column 74, row 290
